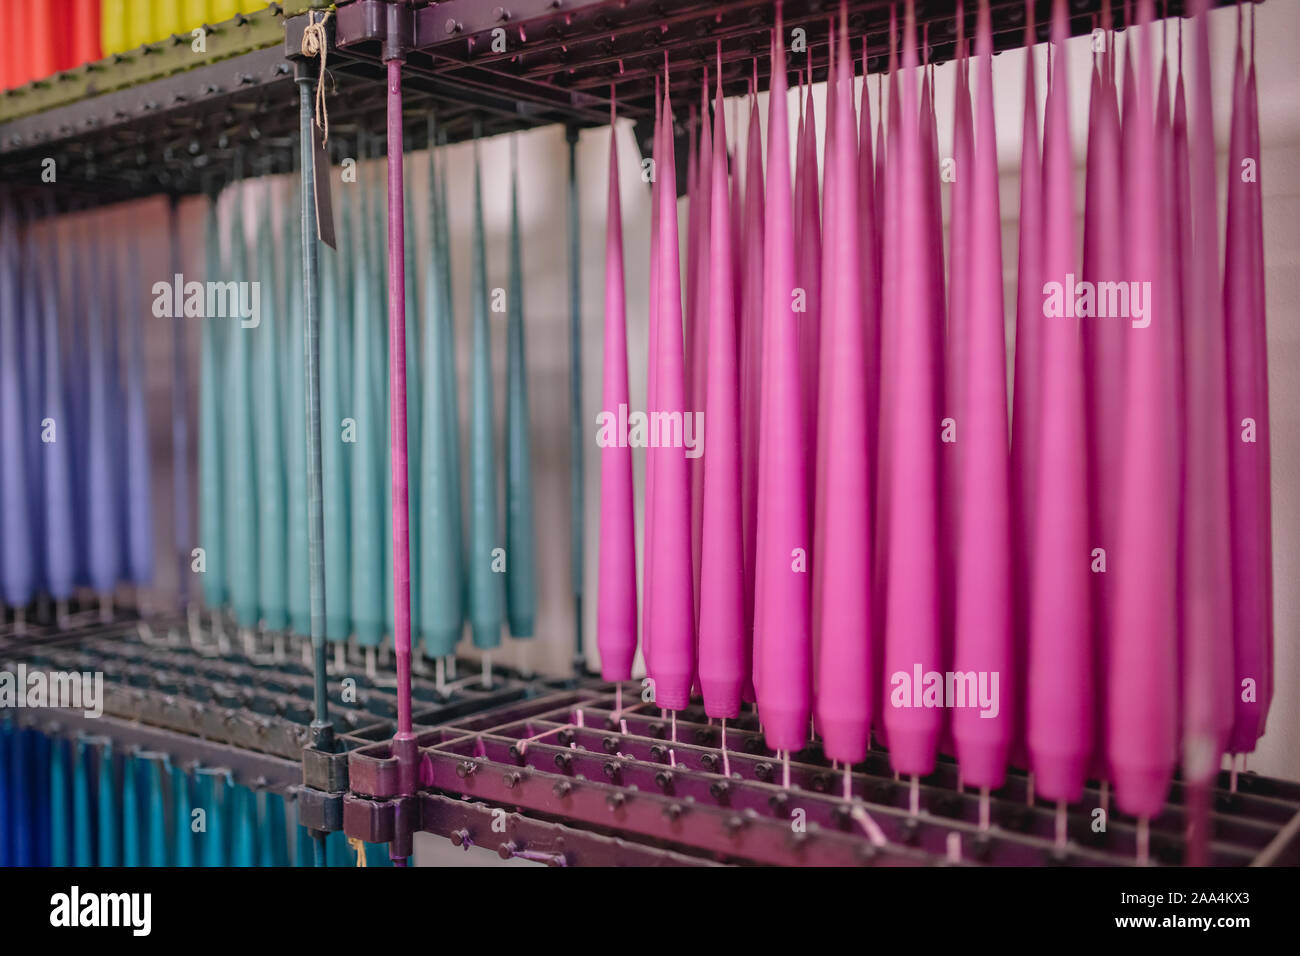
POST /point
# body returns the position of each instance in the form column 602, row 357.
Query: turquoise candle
column 335, row 341
column 295, row 416
column 521, row 545
column 182, row 817
column 368, row 526
column 439, row 578
column 485, row 589
column 212, row 343
column 272, row 526
column 240, row 478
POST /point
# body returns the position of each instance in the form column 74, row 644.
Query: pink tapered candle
column 887, row 200
column 1027, row 385
column 869, row 248
column 812, row 382
column 616, row 617
column 1256, row 239
column 648, row 530
column 1205, row 618
column 722, row 632
column 671, row 598
column 1247, row 426
column 751, row 350
column 781, row 593
column 699, row 322
column 1060, row 673
column 983, row 618
column 808, row 257
column 912, row 639
column 845, row 687
column 1103, row 349
column 1141, row 712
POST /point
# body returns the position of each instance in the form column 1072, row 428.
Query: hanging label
column 324, row 200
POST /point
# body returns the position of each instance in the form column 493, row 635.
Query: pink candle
column 1103, row 349
column 844, row 612
column 1256, row 239
column 1141, row 707
column 808, row 257
column 651, row 371
column 1025, row 396
column 616, row 588
column 697, row 363
column 1247, row 427
column 751, row 350
column 909, row 452
column 869, row 248
column 1060, row 673
column 983, row 618
column 671, row 595
column 781, row 599
column 722, row 632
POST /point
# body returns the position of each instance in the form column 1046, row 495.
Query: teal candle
column 131, row 835
column 83, row 844
column 485, row 585
column 212, row 343
column 521, row 546
column 241, row 486
column 368, row 525
column 272, row 526
column 451, row 391
column 336, row 403
column 295, row 416
column 109, row 821
column 439, row 578
column 182, row 818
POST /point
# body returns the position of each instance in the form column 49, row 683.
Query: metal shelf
column 167, row 126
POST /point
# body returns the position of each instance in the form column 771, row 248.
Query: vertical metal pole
column 575, row 406
column 404, row 748
column 322, row 731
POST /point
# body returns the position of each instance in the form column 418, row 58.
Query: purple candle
column 616, row 585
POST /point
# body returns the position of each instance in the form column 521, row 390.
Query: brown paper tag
column 324, row 198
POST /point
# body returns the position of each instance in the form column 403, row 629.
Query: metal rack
column 572, row 759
